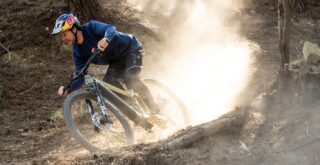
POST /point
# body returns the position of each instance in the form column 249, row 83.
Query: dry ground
column 285, row 131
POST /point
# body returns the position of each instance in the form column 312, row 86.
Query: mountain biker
column 121, row 51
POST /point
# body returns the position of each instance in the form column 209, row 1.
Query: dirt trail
column 281, row 127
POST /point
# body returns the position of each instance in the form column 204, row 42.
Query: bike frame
column 102, row 89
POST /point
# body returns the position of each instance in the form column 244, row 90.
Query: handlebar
column 85, row 68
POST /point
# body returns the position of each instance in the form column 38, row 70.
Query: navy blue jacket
column 120, row 45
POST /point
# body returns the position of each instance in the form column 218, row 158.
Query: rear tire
column 167, row 93
column 170, row 104
column 78, row 122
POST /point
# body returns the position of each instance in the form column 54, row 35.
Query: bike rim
column 110, row 136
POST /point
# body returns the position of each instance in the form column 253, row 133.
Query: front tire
column 79, row 123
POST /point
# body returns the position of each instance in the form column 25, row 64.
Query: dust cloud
column 203, row 59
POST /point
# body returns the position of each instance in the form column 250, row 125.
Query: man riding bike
column 122, row 52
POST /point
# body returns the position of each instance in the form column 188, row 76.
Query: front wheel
column 79, row 122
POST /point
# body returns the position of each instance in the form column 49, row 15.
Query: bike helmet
column 65, row 22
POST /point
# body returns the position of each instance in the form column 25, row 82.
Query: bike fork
column 92, row 115
column 101, row 105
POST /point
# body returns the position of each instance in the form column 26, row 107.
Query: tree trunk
column 285, row 10
column 86, row 10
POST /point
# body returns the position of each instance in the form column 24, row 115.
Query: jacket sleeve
column 102, row 30
column 79, row 64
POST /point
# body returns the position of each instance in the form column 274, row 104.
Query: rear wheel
column 170, row 104
column 108, row 134
column 171, row 107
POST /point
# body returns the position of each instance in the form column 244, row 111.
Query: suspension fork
column 102, row 106
column 92, row 115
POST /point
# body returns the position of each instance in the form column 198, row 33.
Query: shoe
column 158, row 120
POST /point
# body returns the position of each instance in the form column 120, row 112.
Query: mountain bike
column 101, row 116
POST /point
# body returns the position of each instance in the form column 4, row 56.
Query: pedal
column 158, row 120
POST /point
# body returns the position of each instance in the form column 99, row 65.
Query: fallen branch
column 6, row 150
column 27, row 90
column 229, row 122
column 9, row 59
